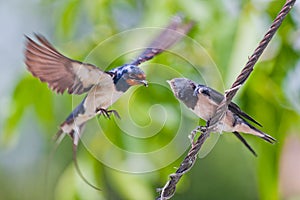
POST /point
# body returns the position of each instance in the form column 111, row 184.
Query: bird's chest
column 205, row 107
column 101, row 96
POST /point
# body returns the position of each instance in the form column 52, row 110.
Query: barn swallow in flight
column 203, row 101
column 103, row 88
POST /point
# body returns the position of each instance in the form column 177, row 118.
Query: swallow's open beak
column 144, row 82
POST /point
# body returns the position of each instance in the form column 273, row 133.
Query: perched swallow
column 203, row 101
column 103, row 88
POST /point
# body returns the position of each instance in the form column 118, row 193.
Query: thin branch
column 170, row 187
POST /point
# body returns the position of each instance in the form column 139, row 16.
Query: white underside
column 98, row 97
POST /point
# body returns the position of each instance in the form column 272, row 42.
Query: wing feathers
column 169, row 36
column 60, row 72
column 236, row 109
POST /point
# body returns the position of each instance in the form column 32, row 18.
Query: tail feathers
column 58, row 137
column 70, row 129
column 240, row 137
column 263, row 135
column 75, row 134
column 78, row 169
column 245, row 127
column 268, row 138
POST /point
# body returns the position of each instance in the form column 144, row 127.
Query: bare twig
column 170, row 187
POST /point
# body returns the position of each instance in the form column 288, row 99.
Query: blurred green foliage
column 225, row 34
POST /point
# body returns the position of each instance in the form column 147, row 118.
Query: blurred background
column 130, row 157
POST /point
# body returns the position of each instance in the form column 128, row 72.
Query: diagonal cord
column 169, row 189
column 261, row 47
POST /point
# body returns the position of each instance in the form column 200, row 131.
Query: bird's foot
column 107, row 113
column 192, row 135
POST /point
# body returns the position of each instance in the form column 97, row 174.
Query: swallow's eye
column 130, row 76
column 136, row 76
column 193, row 86
column 205, row 91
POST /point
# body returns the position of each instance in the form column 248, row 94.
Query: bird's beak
column 171, row 83
column 144, row 82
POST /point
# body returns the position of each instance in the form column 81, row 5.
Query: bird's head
column 133, row 75
column 184, row 90
column 127, row 76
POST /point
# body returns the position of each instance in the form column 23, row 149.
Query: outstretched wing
column 218, row 97
column 60, row 72
column 169, row 36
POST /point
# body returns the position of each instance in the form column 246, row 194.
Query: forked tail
column 240, row 137
column 245, row 127
column 75, row 135
column 263, row 135
column 78, row 169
